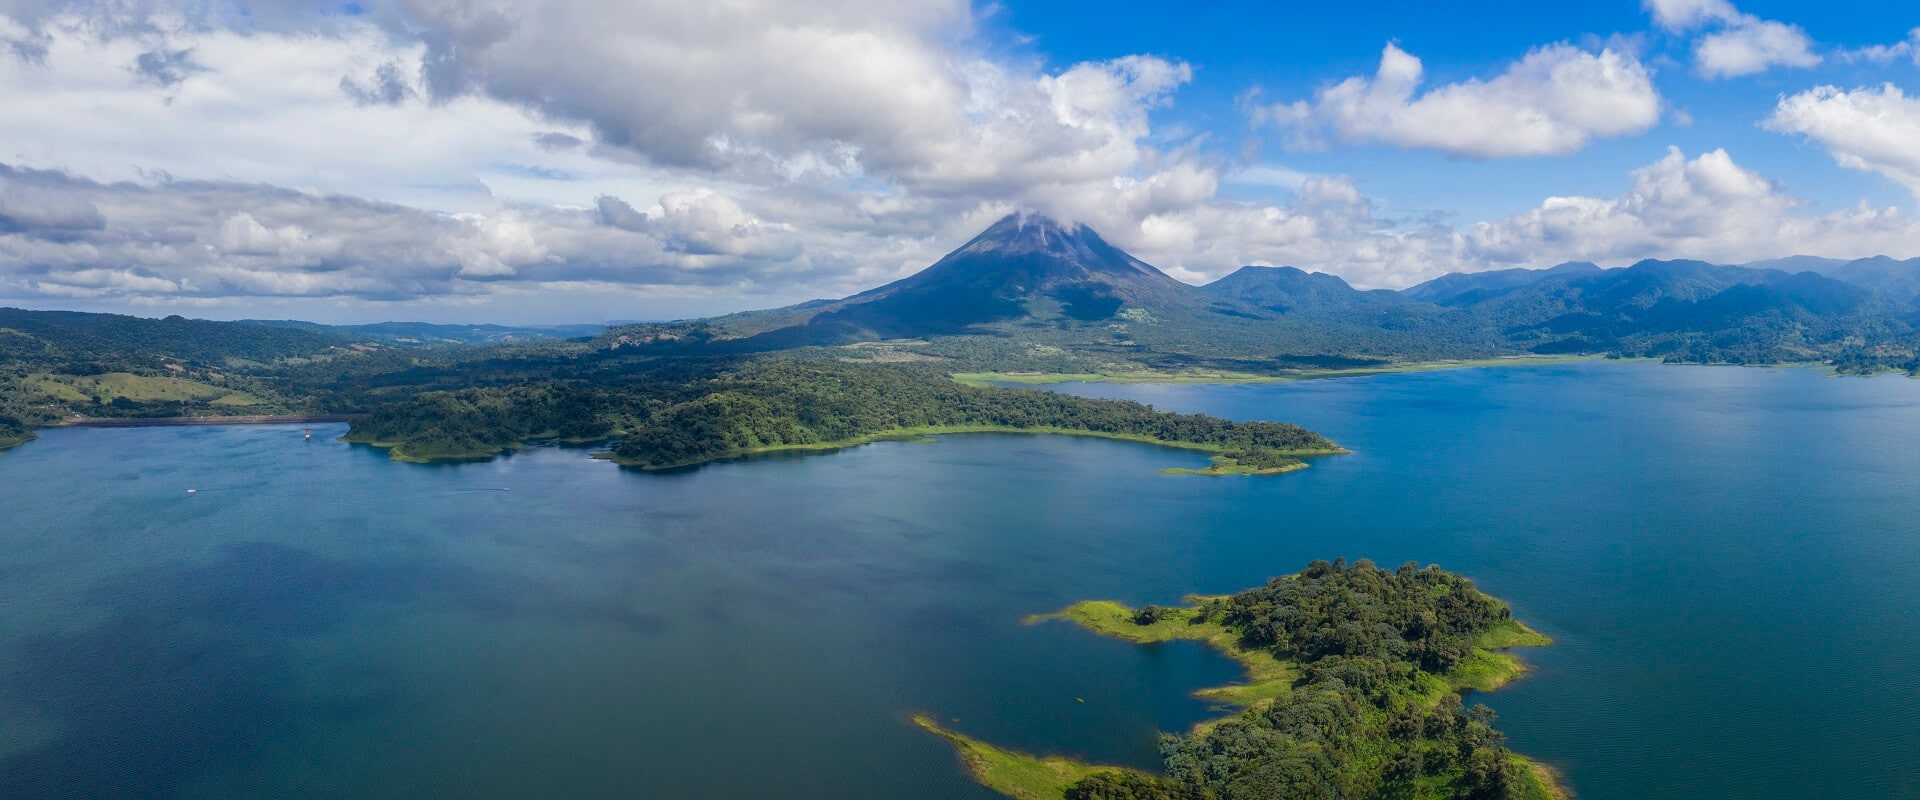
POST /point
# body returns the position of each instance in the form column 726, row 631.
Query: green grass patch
column 1267, row 677
column 1541, row 782
column 1225, row 465
column 111, row 386
column 415, row 453
column 1485, row 669
column 1016, row 775
column 57, row 389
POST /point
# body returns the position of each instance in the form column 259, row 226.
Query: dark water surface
column 1727, row 557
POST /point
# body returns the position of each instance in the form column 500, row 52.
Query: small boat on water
column 309, row 434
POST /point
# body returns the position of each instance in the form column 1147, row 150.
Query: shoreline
column 926, row 433
column 143, row 422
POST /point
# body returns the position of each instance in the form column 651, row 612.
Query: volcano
column 1025, row 267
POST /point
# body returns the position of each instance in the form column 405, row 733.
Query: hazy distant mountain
column 1466, row 288
column 1898, row 279
column 1797, row 264
column 1289, row 289
column 1675, row 307
column 426, row 333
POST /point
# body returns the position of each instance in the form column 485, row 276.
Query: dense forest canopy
column 722, row 408
column 1369, row 716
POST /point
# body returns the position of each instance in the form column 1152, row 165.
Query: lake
column 1727, row 558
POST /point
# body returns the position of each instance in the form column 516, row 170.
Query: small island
column 1353, row 689
column 1244, row 462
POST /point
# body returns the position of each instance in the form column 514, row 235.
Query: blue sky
column 1289, row 52
column 569, row 160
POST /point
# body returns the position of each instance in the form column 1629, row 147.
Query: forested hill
column 689, row 413
column 60, row 364
column 78, row 336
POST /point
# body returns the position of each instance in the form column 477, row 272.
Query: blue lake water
column 1727, row 558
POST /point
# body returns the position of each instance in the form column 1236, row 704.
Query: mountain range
column 1030, row 284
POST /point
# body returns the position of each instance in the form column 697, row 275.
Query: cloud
column 793, row 149
column 1551, row 102
column 1330, row 226
column 1753, row 47
column 761, row 90
column 390, row 84
column 1707, row 207
column 221, row 239
column 1876, row 130
column 1737, row 44
column 25, row 206
column 702, row 222
column 166, row 67
column 243, row 235
column 181, row 244
column 97, row 282
column 1907, row 49
column 1680, row 15
column 336, row 109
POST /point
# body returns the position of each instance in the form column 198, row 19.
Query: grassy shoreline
column 1015, row 774
column 926, row 433
column 1224, row 465
column 1268, row 678
column 1229, row 377
column 397, row 450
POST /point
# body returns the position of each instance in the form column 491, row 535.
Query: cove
column 1723, row 556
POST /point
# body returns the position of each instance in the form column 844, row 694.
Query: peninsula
column 694, row 414
column 1353, row 689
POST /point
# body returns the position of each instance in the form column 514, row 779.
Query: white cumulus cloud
column 1907, row 49
column 1553, row 101
column 1873, row 129
column 1734, row 43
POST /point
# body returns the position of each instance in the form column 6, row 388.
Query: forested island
column 1353, row 690
column 692, row 413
